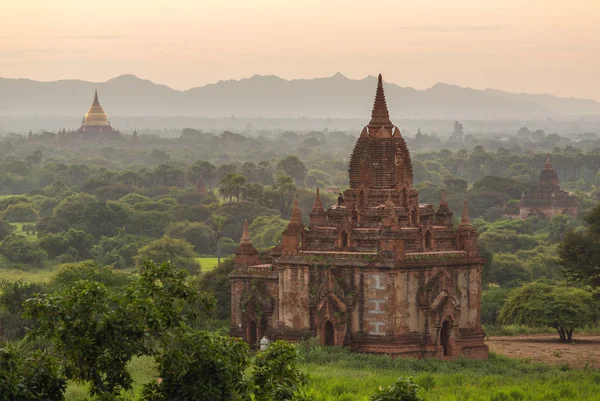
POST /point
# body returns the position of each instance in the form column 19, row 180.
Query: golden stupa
column 95, row 117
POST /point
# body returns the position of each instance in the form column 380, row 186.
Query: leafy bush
column 30, row 376
column 492, row 301
column 200, row 366
column 21, row 212
column 18, row 249
column 402, row 390
column 97, row 331
column 5, row 229
column 69, row 273
column 275, row 375
column 12, row 296
column 76, row 243
column 118, row 251
column 197, row 234
column 177, row 251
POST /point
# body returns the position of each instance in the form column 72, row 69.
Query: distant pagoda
column 549, row 200
column 95, row 124
column 94, row 127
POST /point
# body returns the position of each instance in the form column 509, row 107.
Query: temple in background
column 94, row 127
column 377, row 272
column 549, row 200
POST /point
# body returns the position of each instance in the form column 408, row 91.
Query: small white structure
column 264, row 343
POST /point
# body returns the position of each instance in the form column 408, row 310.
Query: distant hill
column 271, row 96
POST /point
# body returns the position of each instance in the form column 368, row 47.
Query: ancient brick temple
column 378, row 272
column 549, row 200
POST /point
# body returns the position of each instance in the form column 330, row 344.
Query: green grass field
column 208, row 264
column 32, row 276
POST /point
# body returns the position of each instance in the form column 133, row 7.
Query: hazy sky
column 516, row 45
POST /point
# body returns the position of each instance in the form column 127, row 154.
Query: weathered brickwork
column 379, row 273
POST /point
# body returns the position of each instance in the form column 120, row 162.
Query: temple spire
column 296, row 218
column 380, row 116
column 246, row 234
column 548, row 165
column 465, row 220
column 318, row 205
column 443, row 200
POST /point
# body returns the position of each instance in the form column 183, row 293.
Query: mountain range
column 271, row 96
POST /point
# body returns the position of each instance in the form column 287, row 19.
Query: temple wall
column 294, row 297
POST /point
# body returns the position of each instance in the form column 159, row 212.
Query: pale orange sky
column 533, row 46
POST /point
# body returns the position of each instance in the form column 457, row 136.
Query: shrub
column 200, row 366
column 12, row 296
column 30, row 376
column 19, row 249
column 5, row 229
column 177, row 251
column 276, row 375
column 21, row 212
column 402, row 390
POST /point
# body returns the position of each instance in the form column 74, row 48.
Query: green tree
column 275, row 373
column 87, row 213
column 167, row 249
column 12, row 295
column 96, row 331
column 265, row 231
column 294, row 167
column 200, row 366
column 544, row 305
column 118, row 251
column 232, row 185
column 27, row 375
column 21, row 213
column 579, row 254
column 18, row 249
column 197, row 234
column 5, row 229
column 202, row 169
column 559, row 226
column 213, row 282
column 76, row 243
column 217, row 222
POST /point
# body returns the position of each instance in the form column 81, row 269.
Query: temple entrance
column 445, row 338
column 328, row 334
column 344, row 240
column 428, row 246
column 361, row 199
column 252, row 333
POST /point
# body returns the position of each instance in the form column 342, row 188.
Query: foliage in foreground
column 27, row 375
column 402, row 390
column 97, row 332
column 200, row 366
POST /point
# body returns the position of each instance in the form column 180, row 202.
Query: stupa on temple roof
column 377, row 272
column 549, row 200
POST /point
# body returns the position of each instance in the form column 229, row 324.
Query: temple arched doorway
column 445, row 338
column 344, row 240
column 252, row 334
column 428, row 242
column 328, row 334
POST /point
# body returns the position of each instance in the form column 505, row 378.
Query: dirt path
column 583, row 351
